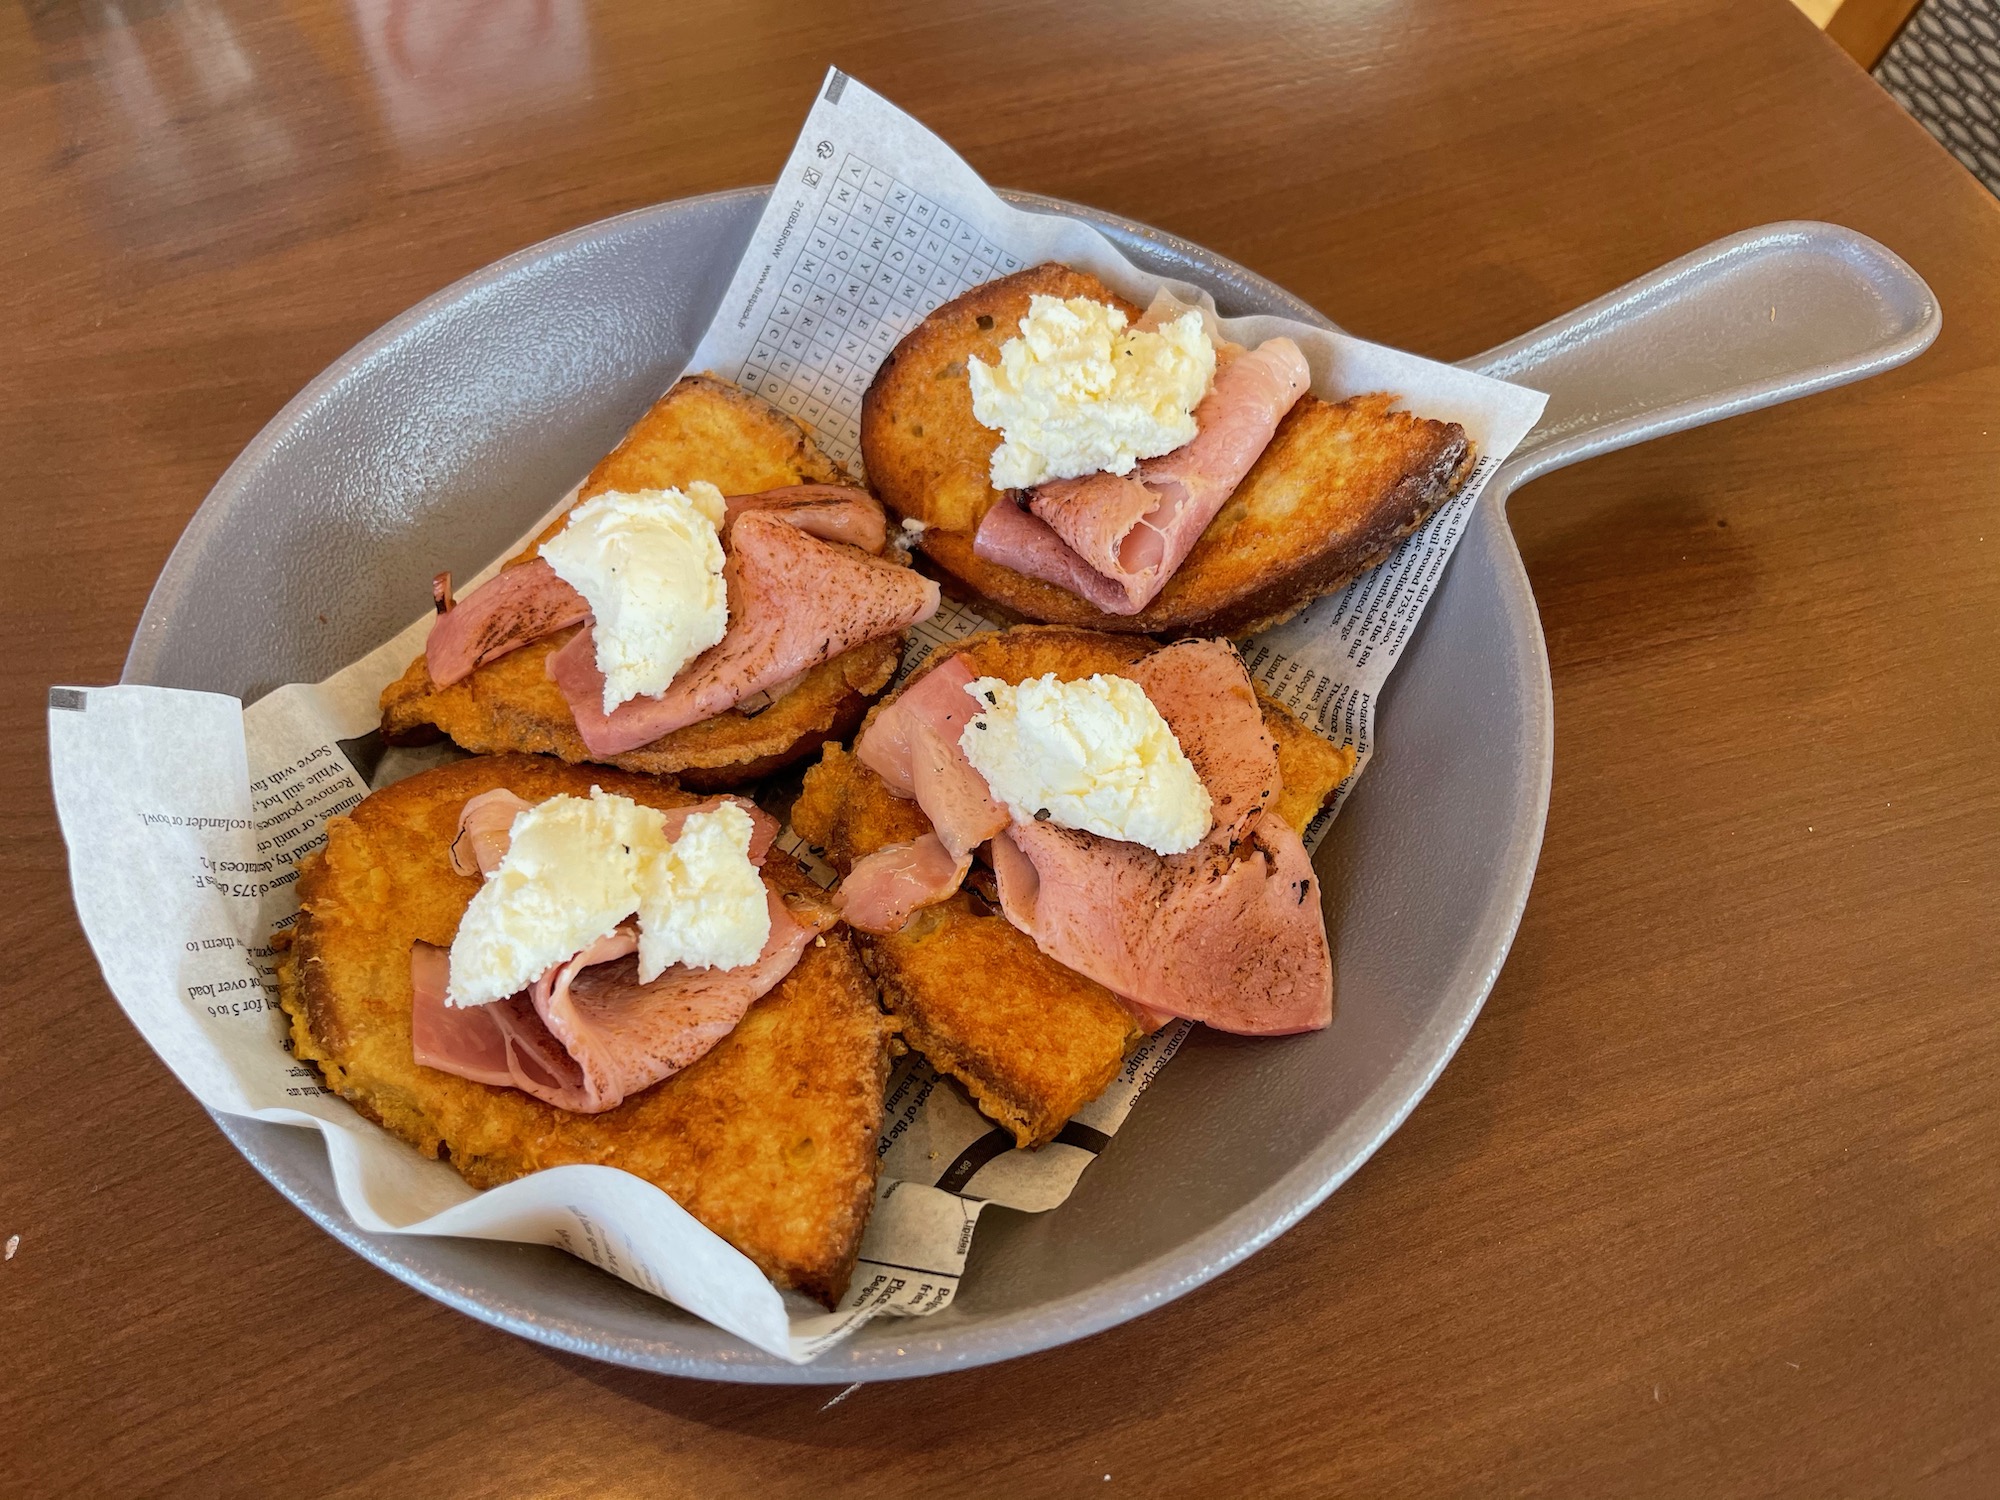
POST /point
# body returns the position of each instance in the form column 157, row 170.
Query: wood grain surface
column 1709, row 1202
column 1865, row 28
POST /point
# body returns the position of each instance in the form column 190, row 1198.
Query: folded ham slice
column 525, row 602
column 1203, row 692
column 1200, row 688
column 913, row 745
column 485, row 826
column 1135, row 530
column 884, row 889
column 832, row 512
column 587, row 1035
column 1229, row 933
column 503, row 1044
column 624, row 1036
column 794, row 602
column 1017, row 538
column 517, row 605
column 1235, row 941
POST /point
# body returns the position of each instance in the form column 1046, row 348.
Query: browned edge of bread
column 511, row 705
column 1031, row 1040
column 1339, row 483
column 770, row 1139
column 702, row 428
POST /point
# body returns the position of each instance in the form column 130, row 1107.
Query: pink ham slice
column 1229, row 933
column 1019, row 539
column 517, row 605
column 912, row 744
column 1203, row 692
column 1140, row 539
column 1200, row 688
column 794, row 602
column 525, row 602
column 1135, row 530
column 624, row 1036
column 484, row 825
column 1235, row 942
column 832, row 512
column 938, row 698
column 885, row 888
column 505, row 1044
column 587, row 1035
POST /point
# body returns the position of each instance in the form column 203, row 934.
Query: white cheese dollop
column 702, row 902
column 649, row 564
column 576, row 867
column 1094, row 755
column 1076, row 393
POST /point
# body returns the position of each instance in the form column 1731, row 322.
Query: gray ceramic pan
column 434, row 443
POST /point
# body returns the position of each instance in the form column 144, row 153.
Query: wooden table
column 1708, row 1204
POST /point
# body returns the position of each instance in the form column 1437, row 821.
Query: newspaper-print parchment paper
column 186, row 814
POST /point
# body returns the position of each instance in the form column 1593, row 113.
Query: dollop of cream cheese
column 649, row 564
column 576, row 867
column 1094, row 755
column 1077, row 392
column 701, row 902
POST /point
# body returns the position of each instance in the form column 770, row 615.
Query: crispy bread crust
column 512, row 705
column 704, row 428
column 1032, row 1040
column 1339, row 483
column 770, row 1139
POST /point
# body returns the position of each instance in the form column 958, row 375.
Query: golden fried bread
column 1032, row 1040
column 1339, row 484
column 926, row 453
column 703, row 428
column 769, row 1140
column 844, row 810
column 512, row 704
column 1310, row 768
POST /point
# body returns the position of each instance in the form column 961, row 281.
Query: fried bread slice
column 704, row 428
column 1338, row 486
column 769, row 1139
column 1032, row 1040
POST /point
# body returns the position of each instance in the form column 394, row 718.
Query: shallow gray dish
column 435, row 442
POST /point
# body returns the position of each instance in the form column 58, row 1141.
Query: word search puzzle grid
column 880, row 257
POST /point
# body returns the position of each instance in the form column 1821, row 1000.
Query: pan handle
column 1763, row 316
